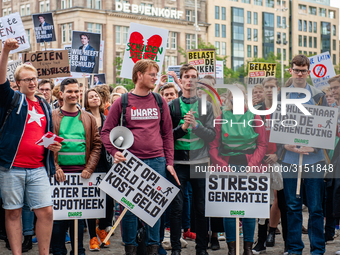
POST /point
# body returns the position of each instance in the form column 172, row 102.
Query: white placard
column 243, row 195
column 78, row 198
column 176, row 70
column 139, row 188
column 145, row 42
column 11, row 66
column 316, row 130
column 321, row 69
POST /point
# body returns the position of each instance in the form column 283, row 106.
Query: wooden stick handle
column 114, row 227
column 237, row 236
column 75, row 237
column 298, row 185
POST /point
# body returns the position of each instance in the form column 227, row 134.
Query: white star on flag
column 35, row 116
column 47, row 141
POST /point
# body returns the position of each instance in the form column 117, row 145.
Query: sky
column 336, row 3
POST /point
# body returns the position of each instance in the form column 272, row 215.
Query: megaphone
column 121, row 137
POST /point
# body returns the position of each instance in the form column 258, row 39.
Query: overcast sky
column 336, row 3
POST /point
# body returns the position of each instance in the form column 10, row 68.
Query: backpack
column 13, row 104
column 125, row 103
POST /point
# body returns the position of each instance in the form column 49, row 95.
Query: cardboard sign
column 203, row 60
column 78, row 198
column 85, row 52
column 145, row 42
column 316, row 130
column 243, row 195
column 259, row 71
column 98, row 79
column 321, row 69
column 11, row 27
column 44, row 27
column 139, row 188
column 11, row 66
column 49, row 64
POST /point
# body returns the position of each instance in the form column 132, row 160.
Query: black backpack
column 14, row 102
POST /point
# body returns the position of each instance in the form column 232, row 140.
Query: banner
column 85, row 52
column 321, row 69
column 44, row 27
column 139, row 188
column 243, row 195
column 145, row 42
column 258, row 71
column 203, row 60
column 49, row 64
column 78, row 198
column 11, row 66
column 295, row 128
column 11, row 27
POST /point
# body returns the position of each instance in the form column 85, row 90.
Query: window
column 94, row 28
column 322, row 12
column 246, row 1
column 325, row 28
column 305, row 53
column 190, row 15
column 41, row 6
column 248, row 51
column 310, row 26
column 310, row 42
column 258, row 2
column 278, row 51
column 255, row 35
column 217, row 30
column 334, row 59
column 223, row 52
column 283, row 22
column 331, row 14
column 4, row 12
column 300, row 25
column 118, row 34
column 312, row 10
column 300, row 40
column 248, row 17
column 310, row 53
column 98, row 4
column 300, row 52
column 191, row 41
column 304, row 26
column 314, row 27
column 255, row 51
column 237, row 15
column 121, row 34
column 9, row 10
column 278, row 21
column 284, row 54
column 174, row 40
column 334, row 30
column 28, row 32
column 65, row 4
column 284, row 37
column 270, row 3
column 268, row 19
column 217, row 12
column 315, row 42
column 28, row 11
column 217, row 46
column 278, row 36
column 302, row 8
column 223, row 13
column 249, row 34
column 334, row 44
column 255, row 18
column 238, row 32
column 66, row 33
column 47, row 6
column 304, row 41
column 22, row 10
column 173, row 60
column 223, row 31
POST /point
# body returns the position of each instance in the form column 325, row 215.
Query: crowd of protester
column 180, row 138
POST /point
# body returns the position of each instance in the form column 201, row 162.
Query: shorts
column 30, row 186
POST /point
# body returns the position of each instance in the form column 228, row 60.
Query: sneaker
column 67, row 238
column 102, row 235
column 259, row 248
column 189, row 235
column 220, row 236
column 167, row 232
column 94, row 244
column 35, row 240
column 329, row 239
column 337, row 253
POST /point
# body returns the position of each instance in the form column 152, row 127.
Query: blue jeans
column 27, row 221
column 59, row 233
column 248, row 227
column 129, row 221
column 314, row 188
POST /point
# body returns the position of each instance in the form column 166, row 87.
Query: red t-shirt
column 271, row 149
column 29, row 154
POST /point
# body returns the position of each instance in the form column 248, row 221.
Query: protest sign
column 11, row 66
column 176, row 70
column 78, row 198
column 259, row 71
column 219, row 72
column 101, row 55
column 203, row 60
column 44, row 27
column 244, row 195
column 145, row 42
column 295, row 128
column 139, row 188
column 85, row 52
column 98, row 79
column 49, row 64
column 321, row 69
column 11, row 27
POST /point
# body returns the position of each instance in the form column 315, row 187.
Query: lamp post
column 196, row 26
column 281, row 42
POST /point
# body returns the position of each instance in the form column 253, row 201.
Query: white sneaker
column 183, row 243
column 337, row 253
column 220, row 236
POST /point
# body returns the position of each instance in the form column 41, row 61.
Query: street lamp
column 196, row 26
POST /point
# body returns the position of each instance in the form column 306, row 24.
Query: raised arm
column 10, row 44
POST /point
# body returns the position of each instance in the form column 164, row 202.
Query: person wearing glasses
column 313, row 185
column 45, row 87
column 24, row 166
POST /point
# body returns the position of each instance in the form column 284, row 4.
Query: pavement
column 116, row 247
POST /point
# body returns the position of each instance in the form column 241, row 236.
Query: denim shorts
column 30, row 186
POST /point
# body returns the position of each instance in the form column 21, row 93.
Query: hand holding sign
column 55, row 147
column 118, row 157
column 303, row 150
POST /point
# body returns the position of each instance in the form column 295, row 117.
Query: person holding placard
column 313, row 182
column 146, row 120
column 80, row 153
column 193, row 140
column 24, row 165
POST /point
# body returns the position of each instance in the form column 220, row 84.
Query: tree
column 127, row 83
